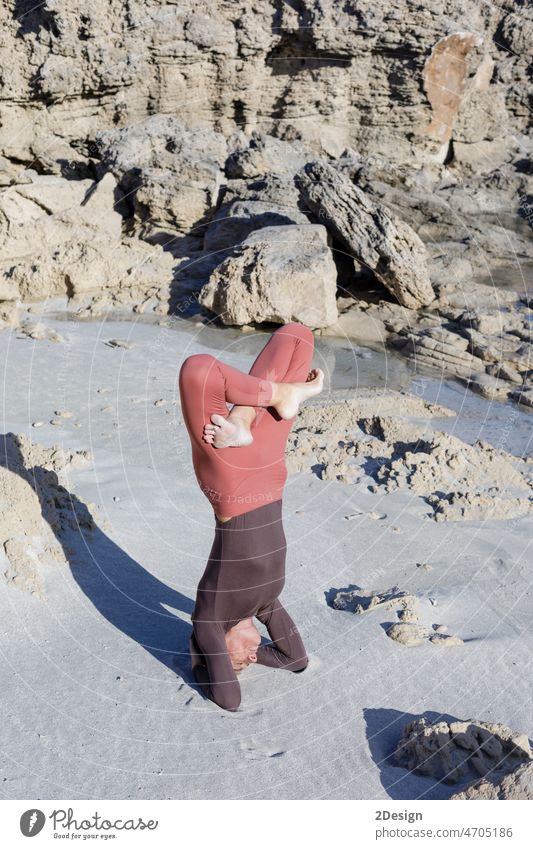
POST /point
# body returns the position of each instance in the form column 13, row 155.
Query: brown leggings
column 244, row 576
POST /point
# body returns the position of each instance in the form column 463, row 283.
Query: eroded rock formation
column 451, row 751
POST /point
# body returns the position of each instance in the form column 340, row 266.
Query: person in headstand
column 238, row 457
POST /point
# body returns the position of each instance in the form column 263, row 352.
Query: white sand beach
column 98, row 700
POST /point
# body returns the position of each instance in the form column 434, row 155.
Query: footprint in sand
column 261, row 751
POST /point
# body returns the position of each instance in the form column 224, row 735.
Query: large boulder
column 376, row 238
column 279, row 274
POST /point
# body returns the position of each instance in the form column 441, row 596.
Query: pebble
column 160, row 402
column 37, row 424
column 64, row 414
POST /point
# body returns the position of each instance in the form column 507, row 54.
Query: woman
column 238, row 459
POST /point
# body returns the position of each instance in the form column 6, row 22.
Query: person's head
column 242, row 642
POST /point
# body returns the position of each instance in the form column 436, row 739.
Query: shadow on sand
column 129, row 596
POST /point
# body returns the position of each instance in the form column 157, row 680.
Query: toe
column 217, row 420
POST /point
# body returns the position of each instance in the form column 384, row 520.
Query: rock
column 261, row 155
column 373, row 236
column 250, row 205
column 458, row 216
column 279, row 274
column 517, row 784
column 486, row 385
column 480, row 346
column 77, row 245
column 170, row 173
column 449, row 61
column 523, row 396
column 357, row 84
column 450, row 751
column 439, row 349
column 334, row 74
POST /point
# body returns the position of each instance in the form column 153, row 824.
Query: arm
column 212, row 667
column 288, row 651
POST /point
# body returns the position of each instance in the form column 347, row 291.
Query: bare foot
column 292, row 394
column 227, row 433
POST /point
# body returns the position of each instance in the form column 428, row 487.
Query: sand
column 98, row 696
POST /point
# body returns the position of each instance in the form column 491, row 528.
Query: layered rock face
column 395, row 79
column 270, row 163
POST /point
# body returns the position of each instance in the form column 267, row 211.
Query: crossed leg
column 207, row 385
column 286, row 358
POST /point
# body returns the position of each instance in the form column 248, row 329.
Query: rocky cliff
column 402, row 79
